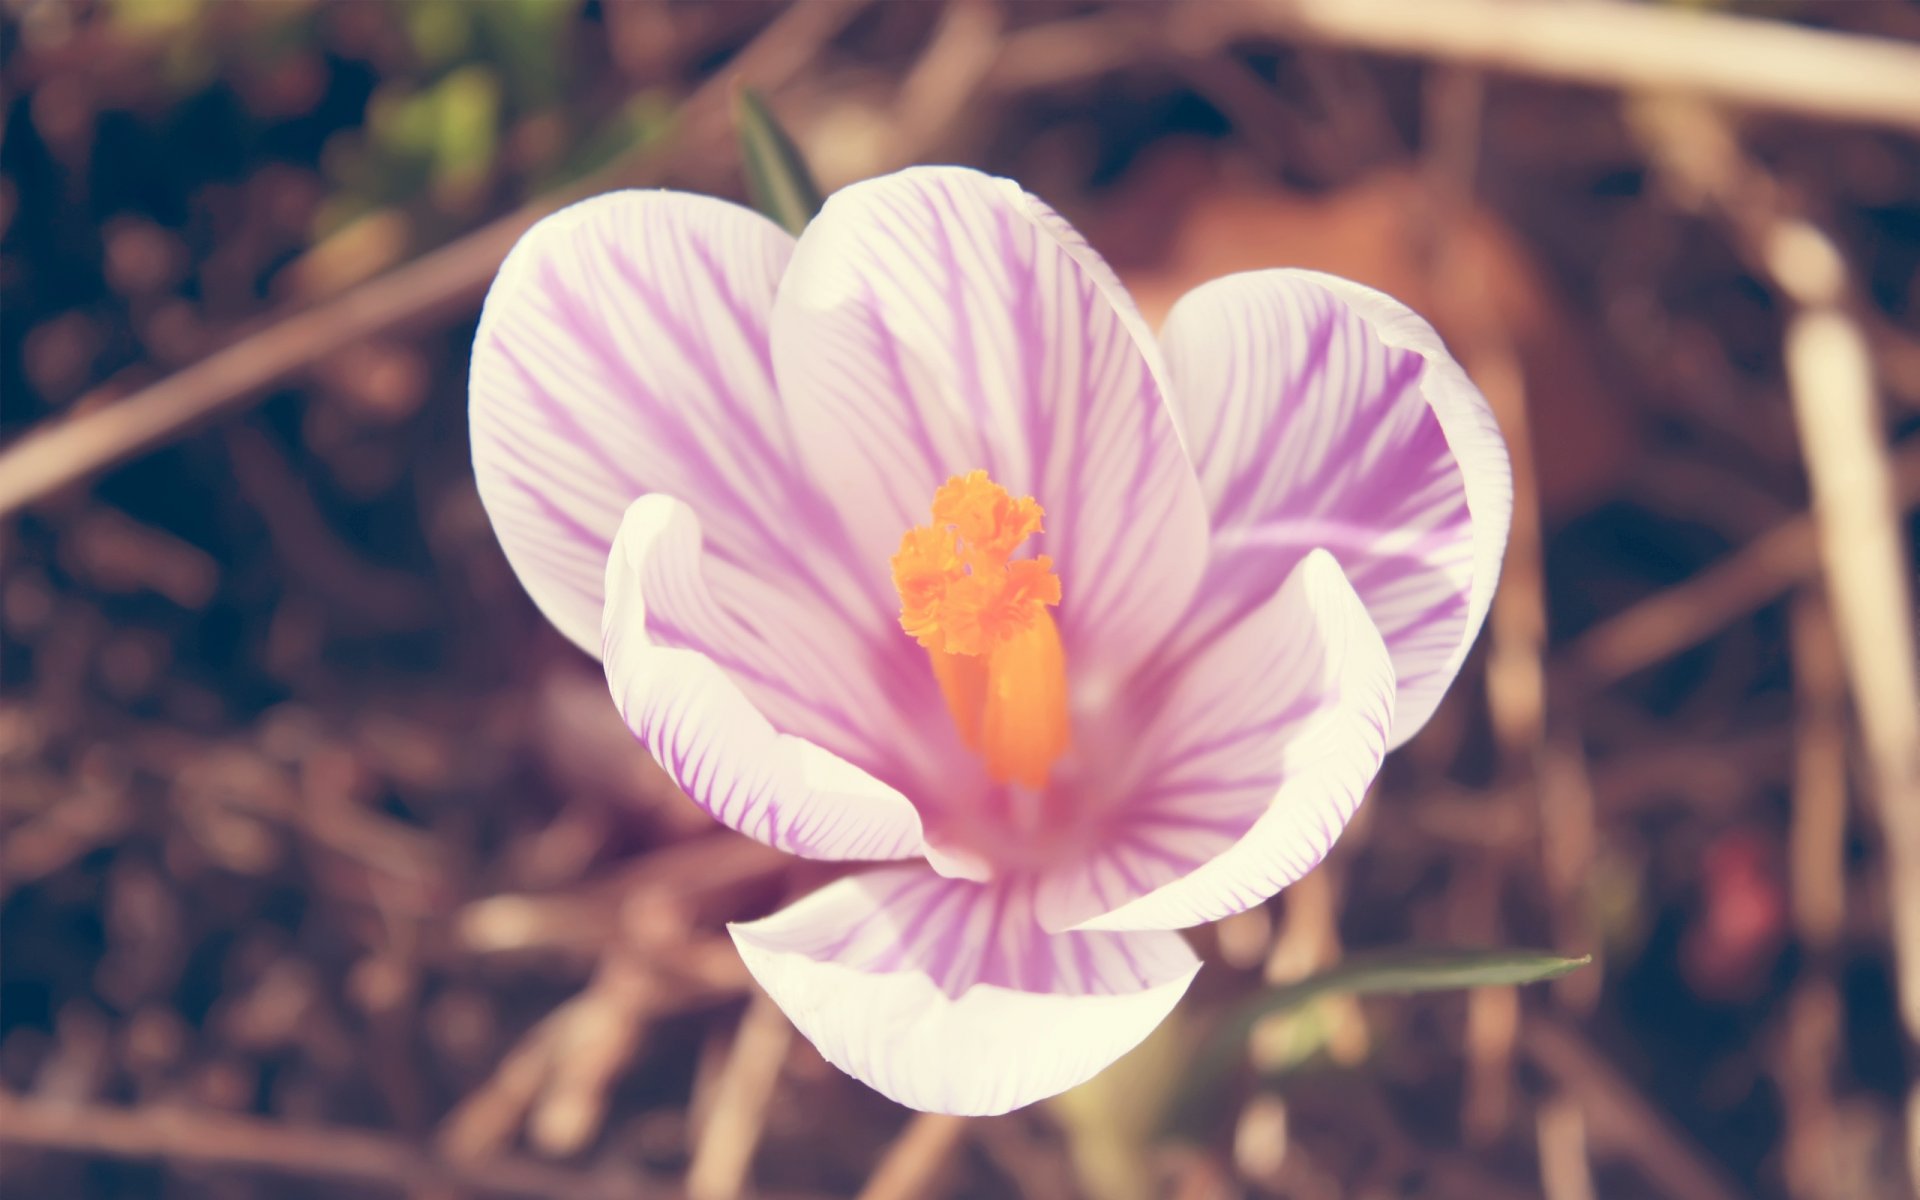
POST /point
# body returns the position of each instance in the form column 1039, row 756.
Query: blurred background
column 327, row 870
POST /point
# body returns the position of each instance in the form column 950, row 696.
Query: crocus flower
column 906, row 541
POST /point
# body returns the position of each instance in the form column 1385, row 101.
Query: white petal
column 623, row 350
column 938, row 321
column 699, row 723
column 945, row 996
column 1266, row 743
column 1325, row 414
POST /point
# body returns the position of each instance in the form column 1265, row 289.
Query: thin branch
column 1745, row 62
column 723, row 1154
column 1618, row 1116
column 1561, row 1132
column 1867, row 566
column 910, row 1165
column 1668, row 622
column 1855, row 479
column 104, row 431
column 179, row 1135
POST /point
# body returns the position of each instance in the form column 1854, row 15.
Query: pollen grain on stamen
column 960, row 590
column 926, row 567
column 989, row 521
column 987, row 609
column 982, row 617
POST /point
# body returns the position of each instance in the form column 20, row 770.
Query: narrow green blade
column 777, row 177
column 1400, row 971
column 1414, row 970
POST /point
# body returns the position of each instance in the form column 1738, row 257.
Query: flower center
column 982, row 616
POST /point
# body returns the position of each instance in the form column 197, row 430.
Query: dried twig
column 723, row 1153
column 669, row 880
column 936, row 91
column 1867, row 569
column 1858, row 504
column 601, row 1034
column 1562, row 1135
column 1813, row 1152
column 910, row 1165
column 1618, row 1116
column 106, row 430
column 1817, row 837
column 1743, row 61
column 1808, row 1043
column 366, row 1159
column 556, row 1080
column 1664, row 624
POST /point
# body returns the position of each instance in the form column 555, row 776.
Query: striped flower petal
column 623, row 350
column 1266, row 742
column 946, row 996
column 1325, row 414
column 938, row 321
column 717, row 700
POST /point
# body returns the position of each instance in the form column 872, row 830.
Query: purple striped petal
column 623, row 350
column 1267, row 740
column 717, row 696
column 1325, row 414
column 938, row 321
column 946, row 996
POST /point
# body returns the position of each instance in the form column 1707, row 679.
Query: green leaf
column 466, row 127
column 440, row 31
column 1399, row 971
column 777, row 177
column 154, row 16
column 1412, row 970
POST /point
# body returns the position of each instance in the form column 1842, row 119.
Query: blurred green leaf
column 468, row 112
column 155, row 16
column 441, row 30
column 1399, row 971
column 400, row 122
column 777, row 177
column 526, row 40
column 1408, row 971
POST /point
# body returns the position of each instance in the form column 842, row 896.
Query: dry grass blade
column 364, row 1159
column 915, row 1159
column 1619, row 1117
column 1860, row 488
column 104, row 430
column 1742, row 61
column 723, row 1155
column 1666, row 623
column 1867, row 567
column 1565, row 1173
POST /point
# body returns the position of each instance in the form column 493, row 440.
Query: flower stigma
column 982, row 616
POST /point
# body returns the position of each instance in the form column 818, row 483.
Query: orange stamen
column 982, row 617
